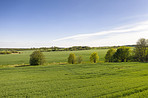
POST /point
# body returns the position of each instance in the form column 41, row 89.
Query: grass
column 58, row 79
column 111, row 80
column 51, row 57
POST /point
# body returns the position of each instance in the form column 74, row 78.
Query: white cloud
column 124, row 35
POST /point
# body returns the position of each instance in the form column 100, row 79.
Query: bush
column 94, row 57
column 5, row 52
column 8, row 52
column 109, row 55
column 2, row 52
column 72, row 58
column 14, row 51
column 79, row 59
column 37, row 58
column 122, row 54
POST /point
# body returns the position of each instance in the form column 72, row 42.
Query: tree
column 79, row 59
column 94, row 57
column 141, row 50
column 122, row 54
column 109, row 55
column 147, row 56
column 37, row 58
column 72, row 58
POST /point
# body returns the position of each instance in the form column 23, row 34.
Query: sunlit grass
column 51, row 57
column 111, row 80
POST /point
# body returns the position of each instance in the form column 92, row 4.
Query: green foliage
column 8, row 52
column 72, row 58
column 5, row 52
column 14, row 51
column 122, row 54
column 141, row 50
column 94, row 57
column 37, row 58
column 79, row 59
column 109, row 55
column 74, row 48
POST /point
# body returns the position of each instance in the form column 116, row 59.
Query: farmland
column 78, row 81
column 86, row 80
column 51, row 57
column 74, row 49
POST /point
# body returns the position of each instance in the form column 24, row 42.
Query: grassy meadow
column 51, row 57
column 111, row 80
column 104, row 80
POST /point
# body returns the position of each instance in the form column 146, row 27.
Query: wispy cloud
column 125, row 29
column 129, row 32
column 123, row 35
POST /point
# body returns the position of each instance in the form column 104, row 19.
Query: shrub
column 5, row 52
column 72, row 58
column 8, row 52
column 122, row 54
column 2, row 52
column 37, row 58
column 14, row 51
column 79, row 59
column 109, row 55
column 94, row 57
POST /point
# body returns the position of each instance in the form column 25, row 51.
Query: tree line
column 54, row 48
column 72, row 59
column 73, row 48
column 9, row 52
column 125, row 54
column 120, row 54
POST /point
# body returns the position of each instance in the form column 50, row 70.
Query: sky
column 65, row 23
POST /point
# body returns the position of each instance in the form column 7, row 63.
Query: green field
column 111, row 80
column 105, row 80
column 51, row 57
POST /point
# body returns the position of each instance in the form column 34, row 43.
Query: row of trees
column 54, row 48
column 48, row 49
column 121, row 54
column 124, row 54
column 8, row 52
column 5, row 52
column 74, row 48
column 73, row 60
column 37, row 58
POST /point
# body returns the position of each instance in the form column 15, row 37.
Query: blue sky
column 64, row 23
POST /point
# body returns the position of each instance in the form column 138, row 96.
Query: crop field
column 112, row 80
column 86, row 80
column 51, row 57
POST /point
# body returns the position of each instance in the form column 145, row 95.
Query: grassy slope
column 51, row 57
column 76, row 81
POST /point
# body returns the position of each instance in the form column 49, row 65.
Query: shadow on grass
column 25, row 65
